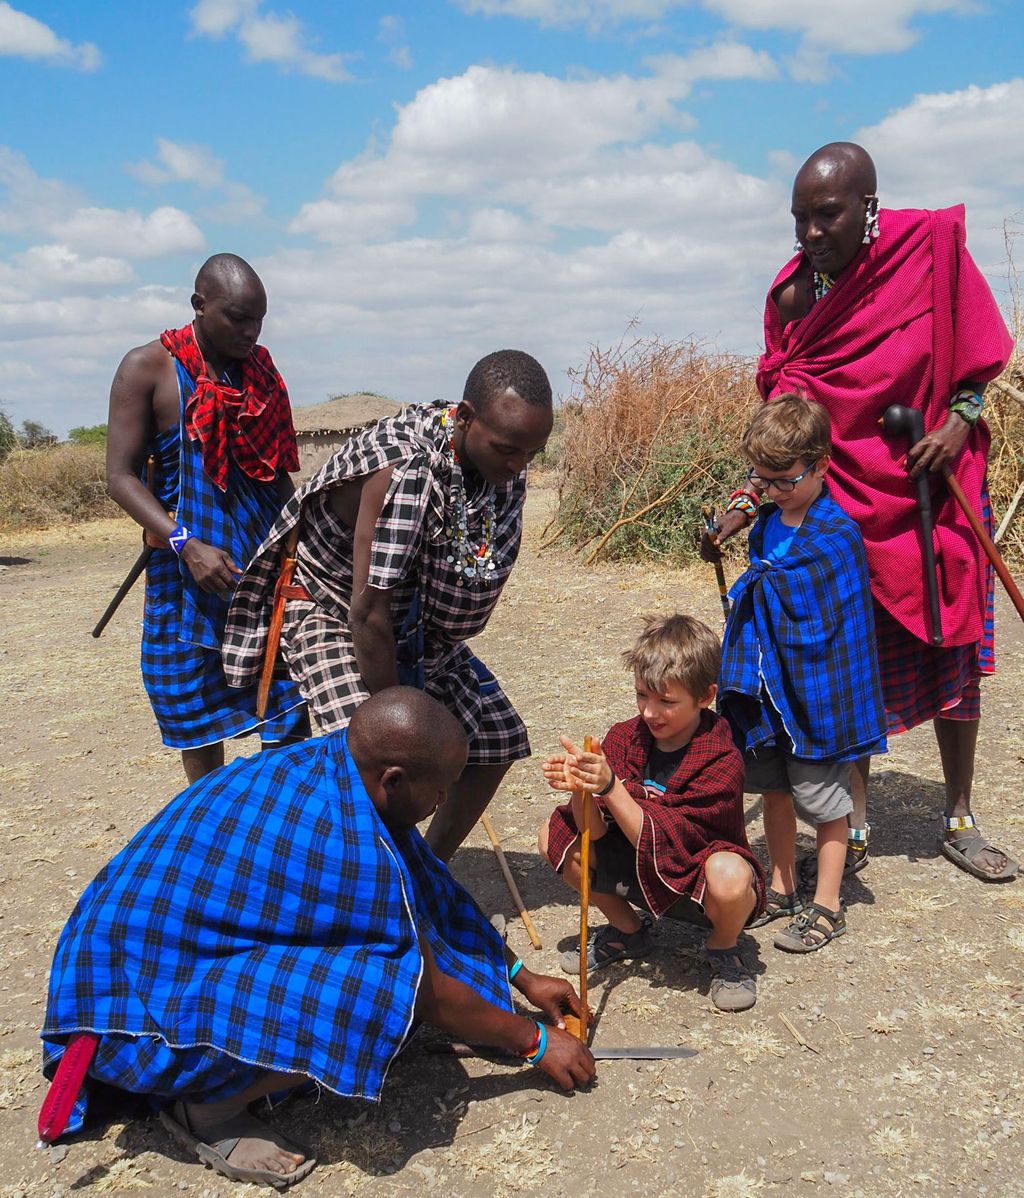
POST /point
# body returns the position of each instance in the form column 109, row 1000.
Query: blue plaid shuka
column 183, row 626
column 265, row 920
column 799, row 665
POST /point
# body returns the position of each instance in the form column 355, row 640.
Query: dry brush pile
column 650, row 435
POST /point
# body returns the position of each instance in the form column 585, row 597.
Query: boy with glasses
column 799, row 683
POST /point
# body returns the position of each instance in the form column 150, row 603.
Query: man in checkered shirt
column 407, row 537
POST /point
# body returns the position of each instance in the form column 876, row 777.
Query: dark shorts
column 614, row 872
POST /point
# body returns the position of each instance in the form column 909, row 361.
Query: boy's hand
column 586, row 771
column 556, row 773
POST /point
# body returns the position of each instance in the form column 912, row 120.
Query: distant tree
column 35, row 435
column 91, row 434
column 8, row 435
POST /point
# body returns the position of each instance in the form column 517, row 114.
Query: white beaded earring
column 871, row 220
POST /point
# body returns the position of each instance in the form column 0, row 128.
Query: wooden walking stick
column 987, row 543
column 510, row 882
column 578, row 1027
column 277, row 619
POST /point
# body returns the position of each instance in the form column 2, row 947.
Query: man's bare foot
column 259, row 1146
column 988, row 858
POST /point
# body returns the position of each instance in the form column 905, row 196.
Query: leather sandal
column 812, row 929
column 777, row 906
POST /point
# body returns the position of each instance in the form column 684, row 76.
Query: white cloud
column 54, row 265
column 558, row 222
column 593, row 13
column 503, row 134
column 391, row 31
column 914, row 146
column 181, row 162
column 131, row 234
column 850, row 26
column 267, row 36
column 22, row 36
column 35, row 207
column 844, row 26
column 29, row 202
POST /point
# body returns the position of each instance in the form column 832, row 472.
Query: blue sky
column 419, row 184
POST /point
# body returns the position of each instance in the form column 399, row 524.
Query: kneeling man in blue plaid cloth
column 283, row 920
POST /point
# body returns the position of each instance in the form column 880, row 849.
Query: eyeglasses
column 782, row 485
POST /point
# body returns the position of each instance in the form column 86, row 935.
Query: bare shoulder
column 791, row 298
column 147, row 361
column 145, row 384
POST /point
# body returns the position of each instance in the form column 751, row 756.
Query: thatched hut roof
column 343, row 413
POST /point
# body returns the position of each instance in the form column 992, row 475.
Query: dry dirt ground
column 890, row 1063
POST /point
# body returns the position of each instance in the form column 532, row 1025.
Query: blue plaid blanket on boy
column 182, row 625
column 799, row 665
column 266, row 919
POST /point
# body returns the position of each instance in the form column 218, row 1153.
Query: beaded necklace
column 470, row 558
column 823, row 284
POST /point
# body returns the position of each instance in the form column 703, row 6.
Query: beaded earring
column 797, row 247
column 870, row 220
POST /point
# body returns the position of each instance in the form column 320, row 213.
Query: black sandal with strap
column 777, row 906
column 608, row 944
column 807, row 933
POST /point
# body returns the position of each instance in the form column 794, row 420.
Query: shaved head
column 402, row 726
column 225, row 274
column 842, row 163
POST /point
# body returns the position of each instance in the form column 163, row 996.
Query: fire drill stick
column 588, row 747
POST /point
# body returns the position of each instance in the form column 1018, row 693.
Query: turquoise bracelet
column 542, row 1045
column 516, row 966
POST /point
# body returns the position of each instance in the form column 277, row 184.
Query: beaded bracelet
column 967, row 404
column 539, row 1047
column 516, row 966
column 178, row 537
column 753, row 496
column 741, row 501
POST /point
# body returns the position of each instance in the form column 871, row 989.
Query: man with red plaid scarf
column 200, row 443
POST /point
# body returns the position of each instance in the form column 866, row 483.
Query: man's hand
column 551, row 995
column 567, row 1060
column 213, row 569
column 726, row 526
column 940, row 448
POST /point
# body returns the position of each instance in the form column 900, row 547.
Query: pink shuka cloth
column 909, row 321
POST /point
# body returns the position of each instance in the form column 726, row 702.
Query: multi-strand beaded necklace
column 823, row 284
column 471, row 558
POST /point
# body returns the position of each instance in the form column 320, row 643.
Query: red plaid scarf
column 253, row 426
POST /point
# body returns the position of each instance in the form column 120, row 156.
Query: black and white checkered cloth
column 409, row 557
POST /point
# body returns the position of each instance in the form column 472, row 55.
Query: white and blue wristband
column 178, row 538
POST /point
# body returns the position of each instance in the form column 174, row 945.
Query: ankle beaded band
column 957, row 823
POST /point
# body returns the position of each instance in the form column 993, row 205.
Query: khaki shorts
column 820, row 789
